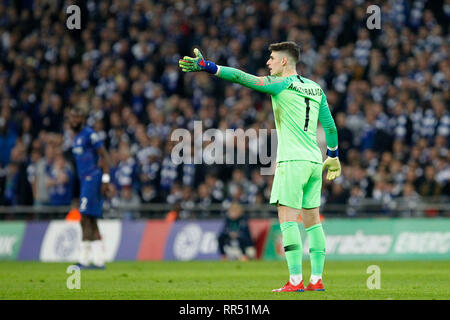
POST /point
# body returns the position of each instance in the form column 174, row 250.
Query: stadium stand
column 388, row 89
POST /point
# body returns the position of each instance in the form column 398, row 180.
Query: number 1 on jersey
column 307, row 115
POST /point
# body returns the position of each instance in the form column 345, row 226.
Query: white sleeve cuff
column 106, row 178
column 217, row 72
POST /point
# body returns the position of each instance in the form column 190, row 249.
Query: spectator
column 410, row 199
column 216, row 186
column 18, row 190
column 126, row 171
column 428, row 186
column 7, row 141
column 127, row 200
column 204, row 199
column 37, row 177
column 236, row 234
column 387, row 88
column 10, row 185
column 149, row 194
column 345, row 136
column 60, row 182
column 338, row 195
column 354, row 201
column 187, row 203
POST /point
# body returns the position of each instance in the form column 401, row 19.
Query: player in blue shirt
column 93, row 163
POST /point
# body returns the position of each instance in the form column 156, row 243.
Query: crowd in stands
column 388, row 90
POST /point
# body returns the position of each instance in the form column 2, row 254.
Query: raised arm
column 271, row 85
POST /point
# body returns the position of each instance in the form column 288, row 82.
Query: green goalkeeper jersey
column 298, row 104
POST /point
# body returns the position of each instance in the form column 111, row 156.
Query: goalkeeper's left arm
column 271, row 85
column 331, row 136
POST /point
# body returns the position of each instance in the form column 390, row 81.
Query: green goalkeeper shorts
column 297, row 184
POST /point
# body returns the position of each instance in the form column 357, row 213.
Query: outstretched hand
column 198, row 63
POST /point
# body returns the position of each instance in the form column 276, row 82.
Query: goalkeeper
column 298, row 104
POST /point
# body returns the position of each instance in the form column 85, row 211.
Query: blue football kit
column 85, row 146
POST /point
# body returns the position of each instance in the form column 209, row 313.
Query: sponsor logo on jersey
column 77, row 150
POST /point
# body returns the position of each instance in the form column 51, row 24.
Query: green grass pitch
column 215, row 280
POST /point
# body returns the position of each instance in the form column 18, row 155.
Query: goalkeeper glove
column 333, row 165
column 188, row 64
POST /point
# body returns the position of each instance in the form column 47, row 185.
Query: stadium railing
column 364, row 208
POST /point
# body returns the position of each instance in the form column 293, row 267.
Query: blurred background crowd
column 387, row 89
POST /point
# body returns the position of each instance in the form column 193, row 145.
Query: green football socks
column 292, row 244
column 316, row 239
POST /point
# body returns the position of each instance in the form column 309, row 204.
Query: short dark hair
column 79, row 110
column 289, row 46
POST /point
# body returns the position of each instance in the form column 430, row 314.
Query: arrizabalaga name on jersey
column 306, row 91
